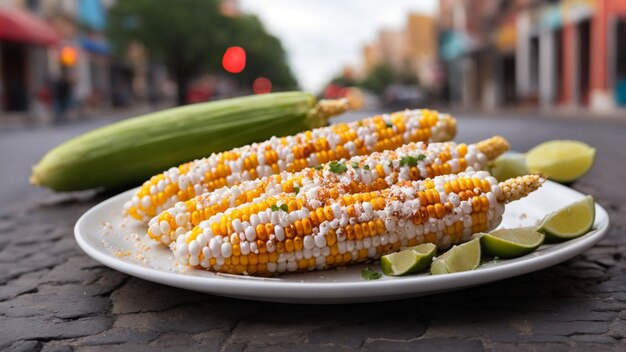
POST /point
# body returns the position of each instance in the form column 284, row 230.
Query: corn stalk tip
column 327, row 108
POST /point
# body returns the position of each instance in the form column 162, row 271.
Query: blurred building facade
column 545, row 53
column 410, row 51
column 68, row 70
column 25, row 42
column 56, row 62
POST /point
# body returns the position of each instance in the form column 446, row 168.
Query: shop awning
column 20, row 26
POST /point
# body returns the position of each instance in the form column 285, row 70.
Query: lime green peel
column 569, row 222
column 511, row 243
column 459, row 258
column 408, row 261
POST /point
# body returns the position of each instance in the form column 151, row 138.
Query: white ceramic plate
column 122, row 245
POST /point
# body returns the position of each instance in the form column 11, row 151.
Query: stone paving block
column 617, row 329
column 356, row 334
column 299, row 348
column 46, row 328
column 115, row 336
column 23, row 346
column 153, row 298
column 54, row 347
column 64, row 302
column 434, row 344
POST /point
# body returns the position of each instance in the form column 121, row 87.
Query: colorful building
column 477, row 51
column 410, row 51
column 569, row 53
column 25, row 43
column 421, row 36
column 575, row 53
column 54, row 51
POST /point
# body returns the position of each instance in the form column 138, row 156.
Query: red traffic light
column 234, row 60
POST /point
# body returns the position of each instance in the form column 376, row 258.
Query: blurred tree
column 379, row 78
column 265, row 54
column 190, row 37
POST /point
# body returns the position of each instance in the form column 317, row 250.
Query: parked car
column 403, row 96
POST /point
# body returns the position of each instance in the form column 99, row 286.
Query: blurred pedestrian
column 62, row 95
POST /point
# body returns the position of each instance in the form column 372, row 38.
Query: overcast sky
column 321, row 36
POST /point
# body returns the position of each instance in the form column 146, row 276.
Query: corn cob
column 290, row 154
column 129, row 151
column 372, row 172
column 288, row 233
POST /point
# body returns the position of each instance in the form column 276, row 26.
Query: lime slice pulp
column 570, row 222
column 408, row 261
column 561, row 160
column 509, row 165
column 459, row 258
column 511, row 243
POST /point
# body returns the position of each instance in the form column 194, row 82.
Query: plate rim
column 223, row 285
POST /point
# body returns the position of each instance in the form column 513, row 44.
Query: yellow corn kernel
column 320, row 214
column 328, row 213
column 358, row 232
column 307, row 226
column 289, row 245
column 331, row 237
column 253, row 259
column 260, row 232
column 297, row 243
column 299, row 228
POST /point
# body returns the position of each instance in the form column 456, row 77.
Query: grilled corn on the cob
column 359, row 174
column 290, row 154
column 288, row 232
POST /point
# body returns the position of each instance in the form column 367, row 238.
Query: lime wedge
column 409, row 261
column 570, row 222
column 511, row 243
column 509, row 165
column 458, row 258
column 561, row 160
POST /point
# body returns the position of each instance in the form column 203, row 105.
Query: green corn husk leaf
column 130, row 151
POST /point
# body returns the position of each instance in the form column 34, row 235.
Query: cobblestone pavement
column 55, row 298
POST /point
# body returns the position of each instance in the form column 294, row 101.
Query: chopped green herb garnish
column 360, row 123
column 283, row 207
column 411, row 160
column 296, row 190
column 338, row 167
column 408, row 160
column 369, row 274
column 318, row 167
column 389, row 124
column 391, row 164
column 354, row 164
column 366, row 167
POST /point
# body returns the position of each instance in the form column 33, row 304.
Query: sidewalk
column 616, row 115
column 10, row 121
